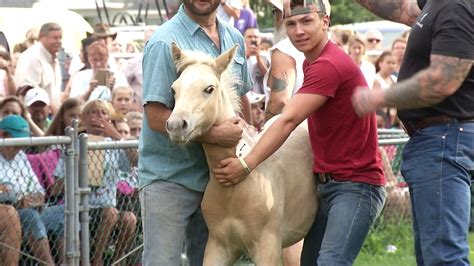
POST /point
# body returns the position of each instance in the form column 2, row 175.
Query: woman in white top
column 86, row 85
column 385, row 66
column 357, row 51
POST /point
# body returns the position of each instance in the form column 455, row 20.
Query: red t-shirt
column 344, row 145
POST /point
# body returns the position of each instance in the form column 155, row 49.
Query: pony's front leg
column 268, row 251
column 217, row 255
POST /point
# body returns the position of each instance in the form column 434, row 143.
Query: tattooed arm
column 428, row 87
column 281, row 81
column 403, row 11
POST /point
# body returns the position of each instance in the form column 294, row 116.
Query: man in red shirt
column 345, row 148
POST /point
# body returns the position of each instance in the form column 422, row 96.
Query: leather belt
column 412, row 126
column 323, row 178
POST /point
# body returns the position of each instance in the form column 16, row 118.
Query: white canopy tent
column 15, row 22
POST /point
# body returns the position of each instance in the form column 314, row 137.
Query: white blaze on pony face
column 196, row 103
column 197, row 93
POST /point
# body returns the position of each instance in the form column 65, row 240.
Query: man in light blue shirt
column 173, row 177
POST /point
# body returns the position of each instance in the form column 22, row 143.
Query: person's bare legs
column 60, row 247
column 126, row 226
column 41, row 250
column 292, row 254
column 107, row 222
column 11, row 235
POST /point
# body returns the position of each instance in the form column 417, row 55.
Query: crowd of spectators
column 104, row 94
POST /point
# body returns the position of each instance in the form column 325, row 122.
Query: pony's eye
column 209, row 89
column 172, row 91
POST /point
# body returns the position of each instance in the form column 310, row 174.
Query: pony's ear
column 177, row 53
column 225, row 59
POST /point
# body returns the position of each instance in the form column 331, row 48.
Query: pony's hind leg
column 217, row 255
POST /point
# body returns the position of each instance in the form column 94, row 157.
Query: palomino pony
column 275, row 205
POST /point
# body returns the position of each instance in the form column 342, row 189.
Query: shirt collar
column 46, row 53
column 191, row 26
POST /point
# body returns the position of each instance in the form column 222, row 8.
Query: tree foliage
column 343, row 12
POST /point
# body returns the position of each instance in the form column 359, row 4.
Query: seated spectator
column 340, row 36
column 258, row 62
column 122, row 98
column 39, row 64
column 37, row 102
column 31, row 37
column 86, row 84
column 10, row 236
column 68, row 111
column 4, row 46
column 385, row 66
column 134, row 120
column 229, row 10
column 79, row 62
column 398, row 51
column 12, row 105
column 257, row 107
column 247, row 18
column 373, row 44
column 103, row 32
column 27, row 194
column 104, row 167
column 7, row 83
column 123, row 129
column 357, row 52
column 133, row 71
column 265, row 45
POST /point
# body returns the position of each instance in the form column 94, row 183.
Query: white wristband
column 244, row 165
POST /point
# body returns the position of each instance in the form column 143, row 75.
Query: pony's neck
column 215, row 153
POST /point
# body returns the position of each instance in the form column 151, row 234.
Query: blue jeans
column 438, row 163
column 349, row 209
column 38, row 224
column 171, row 216
column 53, row 219
column 31, row 224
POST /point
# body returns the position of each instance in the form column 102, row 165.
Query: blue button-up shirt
column 160, row 158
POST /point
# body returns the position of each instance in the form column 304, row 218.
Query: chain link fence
column 74, row 199
column 397, row 204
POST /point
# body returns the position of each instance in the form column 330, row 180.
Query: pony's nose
column 176, row 124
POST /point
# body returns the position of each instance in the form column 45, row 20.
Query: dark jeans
column 437, row 165
column 349, row 209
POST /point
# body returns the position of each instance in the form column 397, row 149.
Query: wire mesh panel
column 34, row 191
column 31, row 205
column 397, row 204
column 114, row 209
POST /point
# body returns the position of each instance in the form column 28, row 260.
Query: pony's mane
column 228, row 80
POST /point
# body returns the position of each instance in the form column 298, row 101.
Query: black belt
column 323, row 178
column 412, row 126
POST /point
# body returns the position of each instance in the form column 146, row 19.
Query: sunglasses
column 373, row 40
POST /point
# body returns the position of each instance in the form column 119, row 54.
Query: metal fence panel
column 92, row 192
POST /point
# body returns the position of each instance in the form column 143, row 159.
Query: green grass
column 384, row 233
column 398, row 234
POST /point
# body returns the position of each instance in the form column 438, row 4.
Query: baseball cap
column 299, row 7
column 36, row 94
column 16, row 126
column 255, row 97
column 277, row 3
